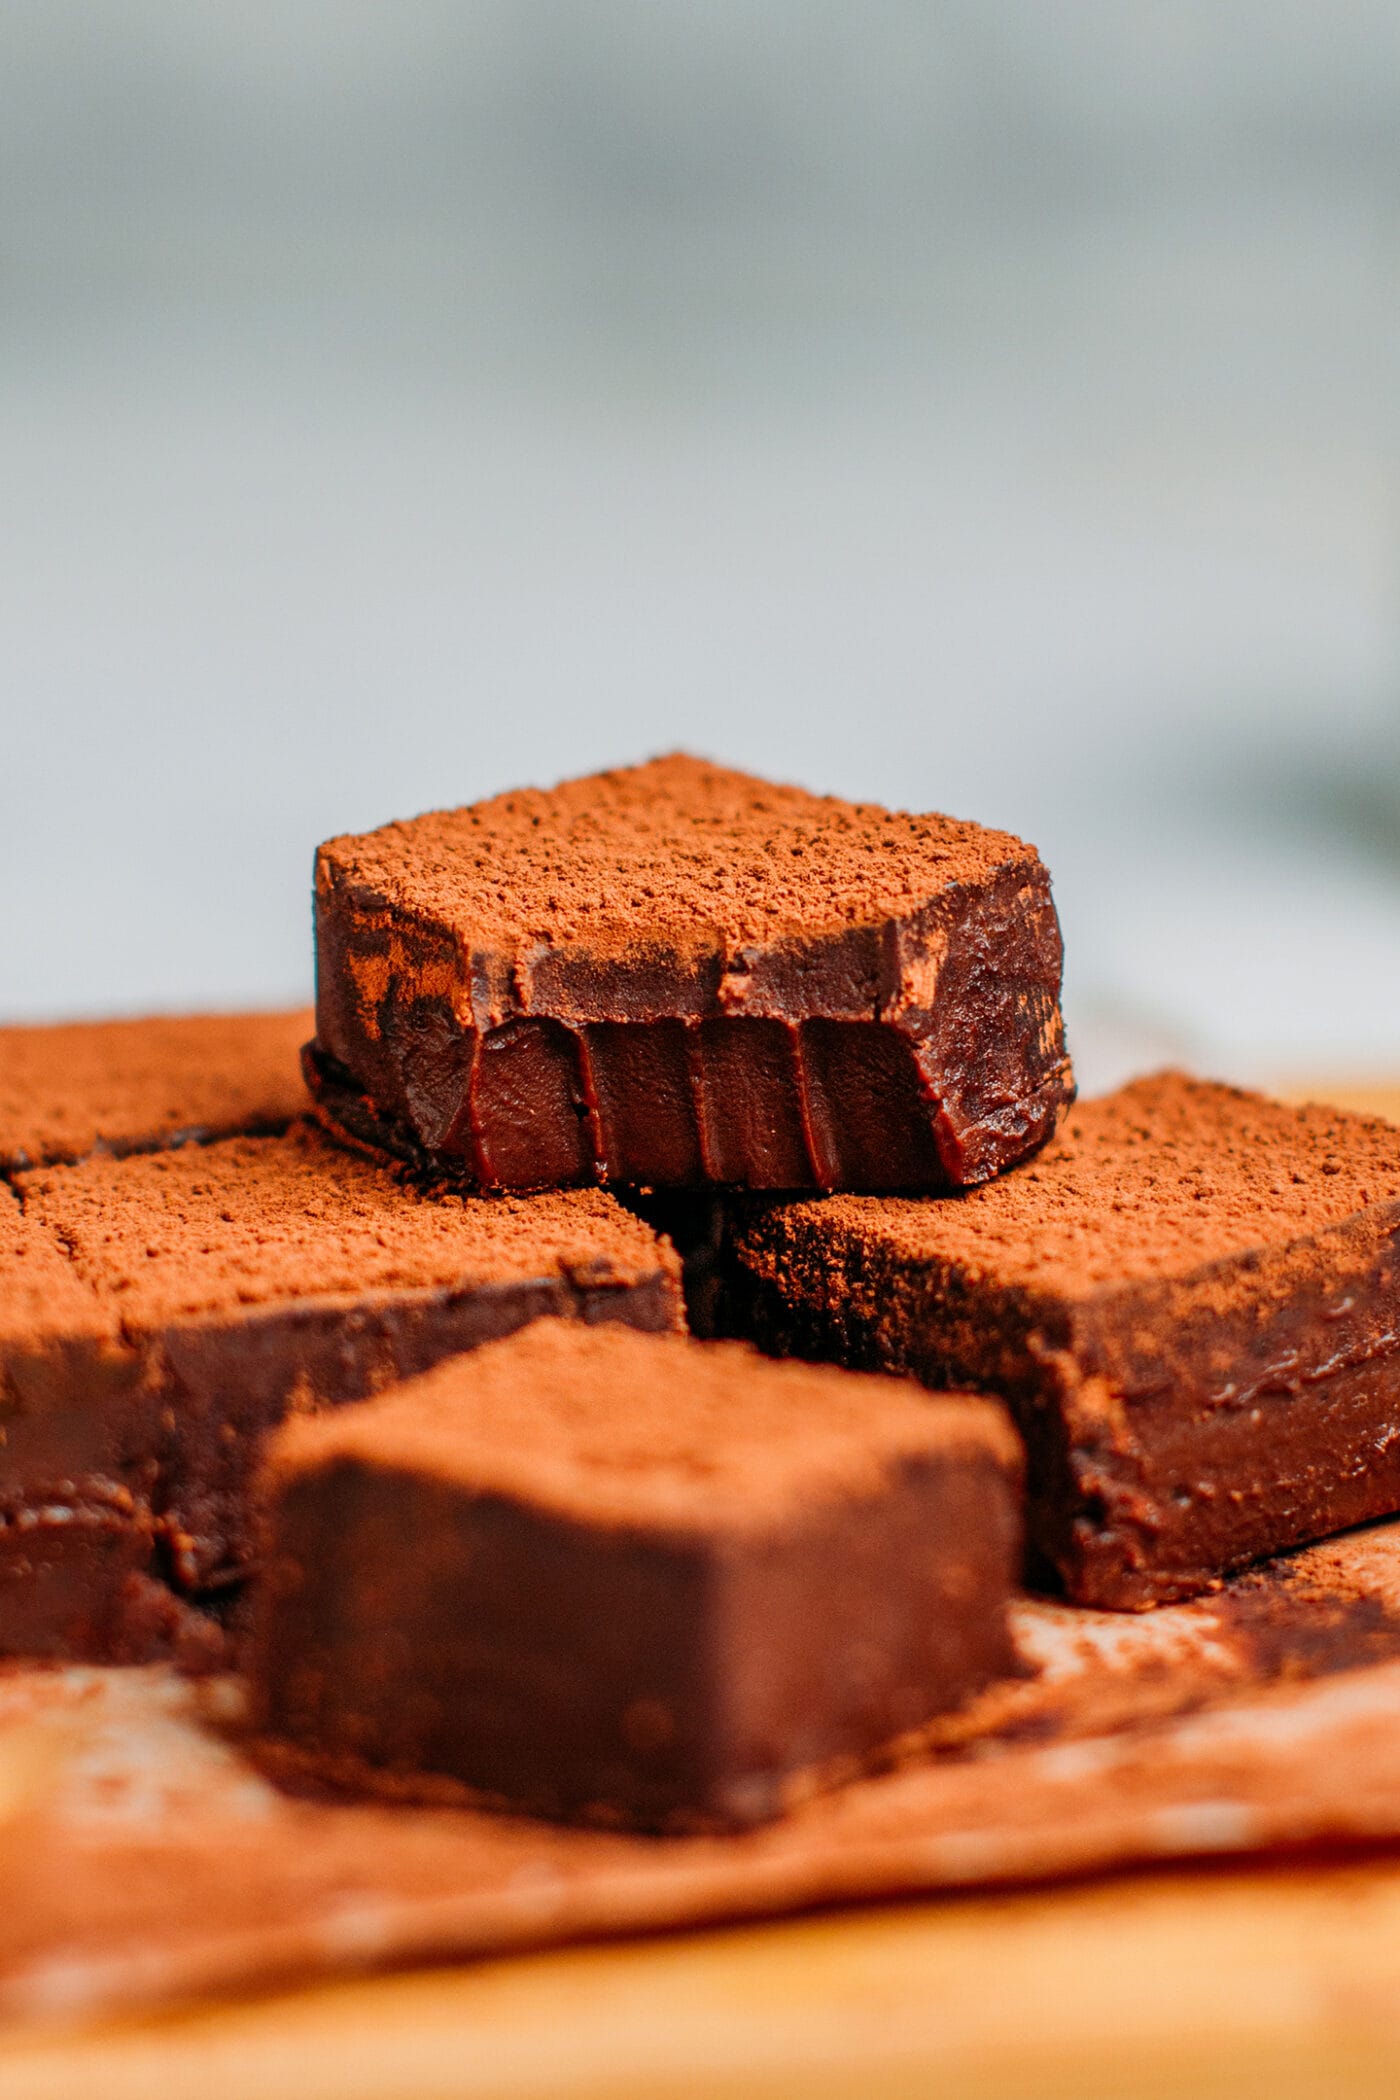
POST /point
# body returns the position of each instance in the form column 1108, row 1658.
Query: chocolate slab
column 677, row 975
column 601, row 1574
column 137, row 1086
column 158, row 1313
column 1191, row 1301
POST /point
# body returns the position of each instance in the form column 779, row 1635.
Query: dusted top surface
column 208, row 1229
column 41, row 1293
column 675, row 853
column 1168, row 1176
column 606, row 1423
column 127, row 1085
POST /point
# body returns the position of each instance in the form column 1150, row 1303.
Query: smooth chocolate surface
column 676, row 975
column 137, row 1086
column 1191, row 1301
column 159, row 1313
column 604, row 1574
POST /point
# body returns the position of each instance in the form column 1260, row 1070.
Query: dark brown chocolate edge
column 732, row 1694
column 126, row 1469
column 812, row 1070
column 1144, row 1474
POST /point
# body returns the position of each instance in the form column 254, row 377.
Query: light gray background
column 988, row 406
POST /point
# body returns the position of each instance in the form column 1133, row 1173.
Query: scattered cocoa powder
column 674, row 852
column 248, row 1221
column 131, row 1086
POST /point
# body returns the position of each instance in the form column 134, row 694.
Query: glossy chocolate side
column 924, row 1054
column 1173, row 1433
column 62, row 1573
column 83, row 1428
column 82, row 1583
column 1200, row 1433
column 672, row 1680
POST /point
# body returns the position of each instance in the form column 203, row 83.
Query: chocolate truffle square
column 604, row 1575
column 1191, row 1301
column 677, row 976
column 136, row 1086
column 189, row 1299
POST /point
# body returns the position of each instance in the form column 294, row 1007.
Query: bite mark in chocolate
column 676, row 975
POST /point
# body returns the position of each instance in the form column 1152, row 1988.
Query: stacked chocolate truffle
column 663, row 1579
column 594, row 1572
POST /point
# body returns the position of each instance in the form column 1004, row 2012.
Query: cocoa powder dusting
column 130, row 1086
column 608, row 1423
column 671, row 853
column 1159, row 1180
column 41, row 1293
column 206, row 1229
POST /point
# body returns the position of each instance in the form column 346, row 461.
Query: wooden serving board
column 1279, row 1980
column 1268, row 1985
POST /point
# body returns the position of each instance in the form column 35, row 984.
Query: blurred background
column 972, row 404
